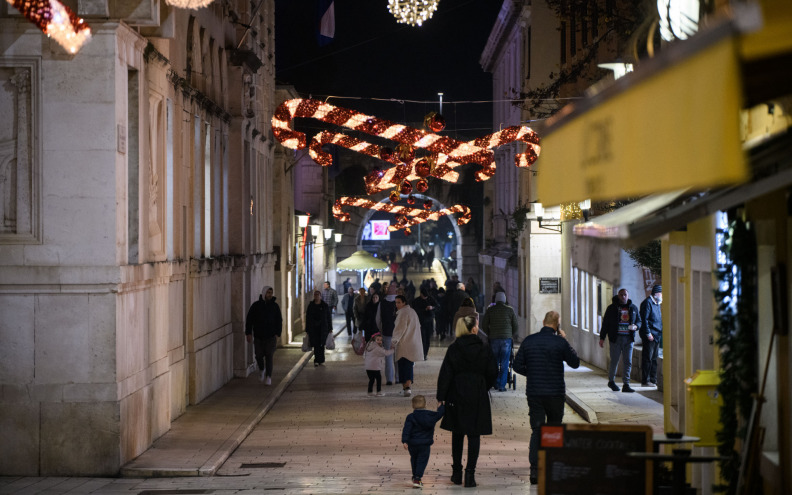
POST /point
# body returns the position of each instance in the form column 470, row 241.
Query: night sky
column 372, row 56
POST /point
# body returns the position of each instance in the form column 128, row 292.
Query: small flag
column 326, row 24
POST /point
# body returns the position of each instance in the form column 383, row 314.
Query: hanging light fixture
column 189, row 4
column 412, row 12
column 56, row 21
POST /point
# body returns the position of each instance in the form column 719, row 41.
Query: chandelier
column 412, row 12
column 189, row 4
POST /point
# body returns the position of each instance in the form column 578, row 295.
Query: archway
column 420, row 198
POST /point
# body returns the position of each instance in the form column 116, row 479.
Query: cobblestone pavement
column 317, row 431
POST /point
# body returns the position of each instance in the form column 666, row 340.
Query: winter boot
column 470, row 478
column 456, row 475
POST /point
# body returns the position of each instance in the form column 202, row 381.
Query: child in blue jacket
column 418, row 436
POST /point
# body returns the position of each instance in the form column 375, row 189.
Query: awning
column 597, row 244
column 672, row 124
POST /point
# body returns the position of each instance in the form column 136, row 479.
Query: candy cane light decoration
column 446, row 150
column 406, row 216
column 56, row 21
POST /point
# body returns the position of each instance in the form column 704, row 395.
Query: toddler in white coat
column 374, row 358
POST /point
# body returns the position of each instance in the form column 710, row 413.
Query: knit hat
column 500, row 297
column 656, row 289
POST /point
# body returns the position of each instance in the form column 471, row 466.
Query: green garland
column 737, row 342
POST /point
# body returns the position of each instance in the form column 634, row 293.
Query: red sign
column 552, row 436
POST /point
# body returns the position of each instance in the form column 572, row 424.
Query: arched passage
column 419, row 199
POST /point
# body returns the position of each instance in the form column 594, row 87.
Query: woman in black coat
column 318, row 326
column 468, row 372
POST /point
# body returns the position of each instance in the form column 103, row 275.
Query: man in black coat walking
column 541, row 359
column 263, row 326
column 425, row 306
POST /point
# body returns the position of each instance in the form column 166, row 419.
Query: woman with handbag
column 468, row 372
column 318, row 326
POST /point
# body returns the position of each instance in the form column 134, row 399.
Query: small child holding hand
column 374, row 359
column 418, row 436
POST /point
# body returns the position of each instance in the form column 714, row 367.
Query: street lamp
column 302, row 221
column 338, row 236
column 316, row 230
column 542, row 216
column 328, row 233
column 585, row 207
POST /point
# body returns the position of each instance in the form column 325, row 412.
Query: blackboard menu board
column 591, row 459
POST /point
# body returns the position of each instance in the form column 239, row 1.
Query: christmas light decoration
column 405, row 216
column 56, row 21
column 445, row 152
column 412, row 12
column 189, row 4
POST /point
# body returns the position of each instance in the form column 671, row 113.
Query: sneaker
column 263, row 375
column 417, row 483
column 644, row 384
column 371, row 394
column 613, row 386
column 407, row 392
column 380, row 394
column 654, row 384
column 626, row 388
column 268, row 381
column 316, row 365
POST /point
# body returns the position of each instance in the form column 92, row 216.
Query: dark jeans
column 474, row 445
column 427, row 329
column 350, row 319
column 265, row 350
column 649, row 360
column 542, row 410
column 319, row 356
column 419, row 458
column 374, row 375
column 405, row 370
column 502, row 349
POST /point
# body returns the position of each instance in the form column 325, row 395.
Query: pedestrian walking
column 386, row 318
column 318, row 325
column 330, row 297
column 500, row 325
column 651, row 334
column 371, row 324
column 263, row 326
column 466, row 375
column 466, row 308
column 425, row 306
column 541, row 359
column 374, row 360
column 619, row 324
column 418, row 436
column 348, row 305
column 407, row 340
column 359, row 312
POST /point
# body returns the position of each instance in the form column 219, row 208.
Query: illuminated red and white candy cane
column 456, row 152
column 409, row 216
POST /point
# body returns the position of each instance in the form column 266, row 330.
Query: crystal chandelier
column 189, row 4
column 412, row 12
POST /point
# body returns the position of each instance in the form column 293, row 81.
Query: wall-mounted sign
column 549, row 285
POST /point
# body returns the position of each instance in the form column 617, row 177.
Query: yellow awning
column 672, row 124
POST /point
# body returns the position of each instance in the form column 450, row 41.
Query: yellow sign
column 674, row 129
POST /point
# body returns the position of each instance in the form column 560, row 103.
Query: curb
column 581, row 408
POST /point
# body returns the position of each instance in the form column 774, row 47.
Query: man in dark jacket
column 263, row 326
column 500, row 325
column 541, row 359
column 318, row 325
column 386, row 317
column 651, row 333
column 619, row 324
column 425, row 306
column 348, row 305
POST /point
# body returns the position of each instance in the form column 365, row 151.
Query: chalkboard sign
column 591, row 459
column 549, row 285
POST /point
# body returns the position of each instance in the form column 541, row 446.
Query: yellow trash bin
column 705, row 403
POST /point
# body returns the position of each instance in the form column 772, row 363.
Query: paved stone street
column 319, row 432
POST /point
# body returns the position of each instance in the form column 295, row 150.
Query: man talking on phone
column 541, row 359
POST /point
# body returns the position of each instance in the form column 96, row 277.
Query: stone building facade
column 137, row 226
